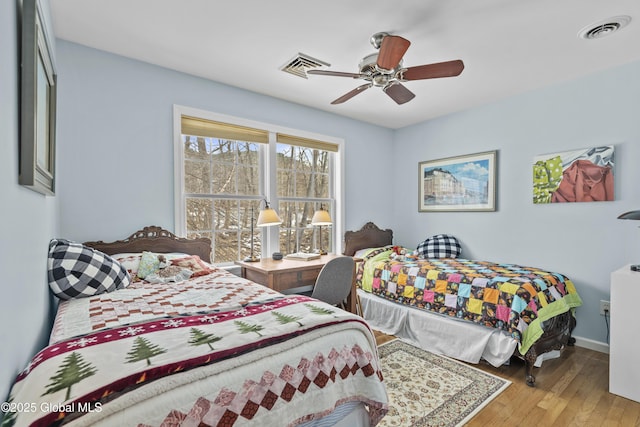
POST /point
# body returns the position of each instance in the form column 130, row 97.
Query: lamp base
column 251, row 259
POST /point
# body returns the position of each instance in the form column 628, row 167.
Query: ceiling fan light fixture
column 604, row 28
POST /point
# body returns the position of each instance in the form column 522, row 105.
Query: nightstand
column 290, row 276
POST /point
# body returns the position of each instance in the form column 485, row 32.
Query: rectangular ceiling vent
column 301, row 63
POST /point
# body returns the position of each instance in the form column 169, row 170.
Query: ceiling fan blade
column 433, row 71
column 347, row 96
column 334, row 73
column 391, row 52
column 399, row 93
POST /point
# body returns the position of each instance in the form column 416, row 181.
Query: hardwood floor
column 570, row 391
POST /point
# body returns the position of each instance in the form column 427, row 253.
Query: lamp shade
column 267, row 217
column 630, row 215
column 321, row 217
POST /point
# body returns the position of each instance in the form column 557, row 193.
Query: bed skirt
column 440, row 334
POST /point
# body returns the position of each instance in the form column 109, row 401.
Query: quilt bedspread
column 219, row 290
column 276, row 360
column 509, row 297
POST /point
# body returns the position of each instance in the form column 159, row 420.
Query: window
column 304, row 185
column 226, row 168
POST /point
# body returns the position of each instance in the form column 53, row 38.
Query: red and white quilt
column 233, row 353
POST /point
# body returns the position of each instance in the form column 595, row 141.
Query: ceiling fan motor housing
column 373, row 73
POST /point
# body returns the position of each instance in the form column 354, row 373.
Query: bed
column 213, row 349
column 468, row 310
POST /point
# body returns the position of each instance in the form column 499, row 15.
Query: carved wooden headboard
column 156, row 239
column 369, row 236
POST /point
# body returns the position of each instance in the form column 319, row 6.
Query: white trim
column 179, row 214
column 270, row 234
column 592, row 344
column 339, row 188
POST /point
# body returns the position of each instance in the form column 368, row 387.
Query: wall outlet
column 605, row 306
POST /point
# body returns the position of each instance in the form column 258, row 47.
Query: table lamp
column 631, row 215
column 321, row 217
column 266, row 218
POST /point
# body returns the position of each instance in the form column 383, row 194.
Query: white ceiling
column 508, row 46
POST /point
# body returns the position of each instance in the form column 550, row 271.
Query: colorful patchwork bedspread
column 261, row 358
column 509, row 297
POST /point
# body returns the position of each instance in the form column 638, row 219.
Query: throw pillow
column 130, row 261
column 78, row 271
column 149, row 263
column 440, row 246
column 193, row 263
column 172, row 273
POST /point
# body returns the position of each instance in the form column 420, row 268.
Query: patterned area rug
column 429, row 390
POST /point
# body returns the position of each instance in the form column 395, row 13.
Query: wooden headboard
column 156, row 239
column 369, row 236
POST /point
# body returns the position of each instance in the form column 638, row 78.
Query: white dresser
column 624, row 344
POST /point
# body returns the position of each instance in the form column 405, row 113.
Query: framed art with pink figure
column 584, row 175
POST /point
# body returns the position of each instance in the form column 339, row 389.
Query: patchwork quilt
column 142, row 300
column 217, row 351
column 512, row 298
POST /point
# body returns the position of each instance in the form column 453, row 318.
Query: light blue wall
column 116, row 142
column 583, row 240
column 28, row 223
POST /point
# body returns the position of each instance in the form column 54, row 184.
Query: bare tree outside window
column 222, row 183
column 223, row 180
column 303, row 186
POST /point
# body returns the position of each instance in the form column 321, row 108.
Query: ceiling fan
column 384, row 69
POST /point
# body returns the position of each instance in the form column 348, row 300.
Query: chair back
column 334, row 281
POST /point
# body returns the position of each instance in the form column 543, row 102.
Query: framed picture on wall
column 583, row 175
column 37, row 104
column 462, row 183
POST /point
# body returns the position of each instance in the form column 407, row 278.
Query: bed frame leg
column 529, row 361
column 557, row 334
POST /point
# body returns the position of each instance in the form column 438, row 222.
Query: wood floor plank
column 572, row 390
column 630, row 415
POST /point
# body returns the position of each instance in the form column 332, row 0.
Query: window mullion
column 269, row 173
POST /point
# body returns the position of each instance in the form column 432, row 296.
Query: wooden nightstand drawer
column 256, row 276
column 293, row 279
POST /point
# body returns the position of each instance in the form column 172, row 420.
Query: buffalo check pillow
column 440, row 246
column 78, row 271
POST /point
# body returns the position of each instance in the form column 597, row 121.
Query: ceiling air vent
column 301, row 63
column 604, row 27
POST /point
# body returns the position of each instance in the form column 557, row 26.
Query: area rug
column 429, row 390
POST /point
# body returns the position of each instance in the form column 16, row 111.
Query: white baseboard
column 602, row 347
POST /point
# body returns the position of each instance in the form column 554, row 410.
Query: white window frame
column 269, row 234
